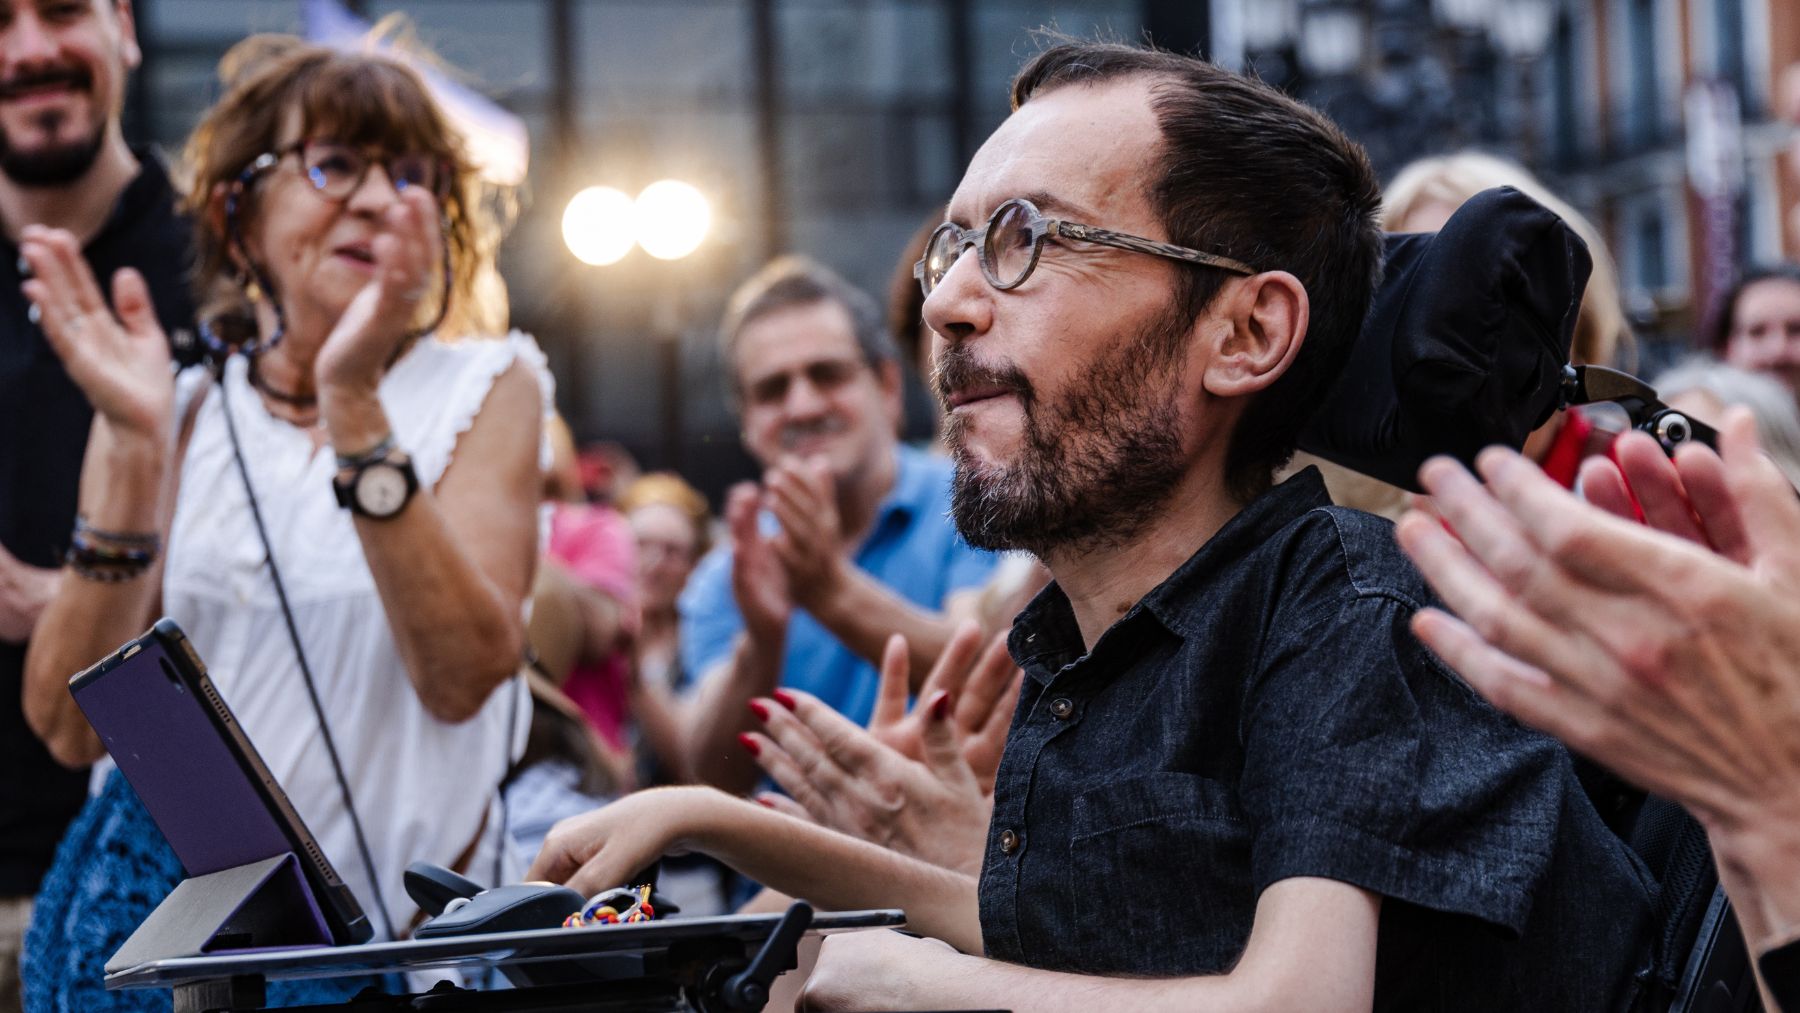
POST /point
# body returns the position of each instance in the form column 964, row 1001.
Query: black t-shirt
column 44, row 421
column 1265, row 713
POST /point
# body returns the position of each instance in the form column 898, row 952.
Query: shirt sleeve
column 1369, row 763
column 709, row 616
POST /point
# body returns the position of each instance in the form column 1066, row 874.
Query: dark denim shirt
column 1266, row 713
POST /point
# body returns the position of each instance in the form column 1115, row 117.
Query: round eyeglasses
column 1013, row 239
column 337, row 170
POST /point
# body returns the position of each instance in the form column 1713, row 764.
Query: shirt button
column 1009, row 842
column 1061, row 708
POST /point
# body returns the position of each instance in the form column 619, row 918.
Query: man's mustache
column 958, row 369
column 795, row 433
column 72, row 77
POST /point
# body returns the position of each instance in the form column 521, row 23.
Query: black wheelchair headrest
column 1464, row 343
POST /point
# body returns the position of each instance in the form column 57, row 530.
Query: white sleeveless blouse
column 423, row 788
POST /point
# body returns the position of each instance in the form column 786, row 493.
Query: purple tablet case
column 182, row 769
column 257, row 876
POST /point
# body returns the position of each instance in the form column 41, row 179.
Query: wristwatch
column 378, row 484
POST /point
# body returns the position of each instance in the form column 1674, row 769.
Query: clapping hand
column 983, row 684
column 1671, row 664
column 121, row 363
column 758, row 582
column 382, row 316
column 803, row 497
column 920, row 783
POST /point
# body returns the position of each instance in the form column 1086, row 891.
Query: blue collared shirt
column 913, row 549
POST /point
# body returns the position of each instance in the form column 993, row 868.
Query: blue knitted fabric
column 111, row 870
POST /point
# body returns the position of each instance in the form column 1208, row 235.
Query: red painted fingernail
column 786, row 699
column 940, row 707
column 760, row 709
column 765, row 803
column 749, row 744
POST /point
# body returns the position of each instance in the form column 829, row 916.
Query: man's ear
column 129, row 50
column 1267, row 316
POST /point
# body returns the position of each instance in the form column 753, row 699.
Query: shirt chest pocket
column 1159, row 875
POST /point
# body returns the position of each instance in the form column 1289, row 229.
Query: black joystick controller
column 433, row 887
column 460, row 907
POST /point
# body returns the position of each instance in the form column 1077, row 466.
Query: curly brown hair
column 359, row 98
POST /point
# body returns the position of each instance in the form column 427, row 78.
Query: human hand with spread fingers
column 118, row 355
column 983, row 684
column 1672, row 656
column 920, row 783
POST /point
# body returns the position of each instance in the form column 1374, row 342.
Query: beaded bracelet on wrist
column 110, row 557
column 91, row 566
column 376, row 453
column 89, row 550
column 82, row 527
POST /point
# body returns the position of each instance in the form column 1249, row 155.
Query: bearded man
column 1234, row 780
column 64, row 163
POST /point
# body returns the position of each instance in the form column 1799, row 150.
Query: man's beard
column 1097, row 463
column 56, row 164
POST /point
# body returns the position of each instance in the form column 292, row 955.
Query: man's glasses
column 1009, row 246
column 337, row 170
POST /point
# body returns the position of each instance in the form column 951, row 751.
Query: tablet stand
column 254, row 906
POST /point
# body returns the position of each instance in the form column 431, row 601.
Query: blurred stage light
column 598, row 225
column 671, row 219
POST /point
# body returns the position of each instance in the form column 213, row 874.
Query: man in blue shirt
column 845, row 542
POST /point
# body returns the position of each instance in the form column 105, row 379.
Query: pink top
column 595, row 544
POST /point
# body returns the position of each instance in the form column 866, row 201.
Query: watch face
column 381, row 490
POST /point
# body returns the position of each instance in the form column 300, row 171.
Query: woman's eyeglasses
column 1010, row 244
column 337, row 170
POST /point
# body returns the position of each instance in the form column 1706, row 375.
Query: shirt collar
column 1045, row 635
column 1172, row 600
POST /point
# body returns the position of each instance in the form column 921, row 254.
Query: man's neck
column 1103, row 584
column 861, row 497
column 81, row 206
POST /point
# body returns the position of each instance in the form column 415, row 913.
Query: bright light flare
column 599, row 225
column 671, row 219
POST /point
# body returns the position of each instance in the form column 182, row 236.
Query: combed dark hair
column 1249, row 173
column 789, row 281
column 1725, row 316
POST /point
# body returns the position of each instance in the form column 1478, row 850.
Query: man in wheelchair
column 1234, row 779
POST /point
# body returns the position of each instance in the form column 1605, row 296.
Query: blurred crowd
column 1095, row 683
